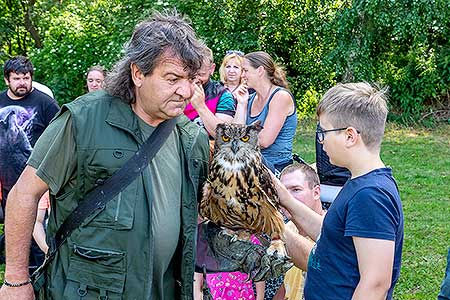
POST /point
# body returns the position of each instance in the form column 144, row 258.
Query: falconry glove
column 218, row 251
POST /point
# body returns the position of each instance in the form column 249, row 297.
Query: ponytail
column 279, row 77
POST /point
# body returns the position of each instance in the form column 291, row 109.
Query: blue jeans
column 444, row 294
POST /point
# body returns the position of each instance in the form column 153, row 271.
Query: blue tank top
column 279, row 153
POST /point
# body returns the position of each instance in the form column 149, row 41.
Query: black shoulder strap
column 96, row 199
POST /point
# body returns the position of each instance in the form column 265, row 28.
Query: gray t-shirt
column 165, row 170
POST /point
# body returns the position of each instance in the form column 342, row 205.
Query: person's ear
column 261, row 70
column 351, row 136
column 211, row 70
column 6, row 81
column 136, row 75
column 316, row 192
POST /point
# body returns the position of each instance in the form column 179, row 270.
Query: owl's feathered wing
column 242, row 196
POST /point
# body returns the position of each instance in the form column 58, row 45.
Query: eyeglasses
column 320, row 133
column 237, row 52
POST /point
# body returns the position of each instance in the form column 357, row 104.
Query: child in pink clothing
column 230, row 285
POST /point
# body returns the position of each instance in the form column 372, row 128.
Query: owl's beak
column 234, row 147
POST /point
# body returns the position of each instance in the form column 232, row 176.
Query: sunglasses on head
column 237, row 52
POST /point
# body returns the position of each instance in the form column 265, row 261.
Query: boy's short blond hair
column 360, row 105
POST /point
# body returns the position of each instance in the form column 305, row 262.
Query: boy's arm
column 260, row 288
column 302, row 216
column 375, row 262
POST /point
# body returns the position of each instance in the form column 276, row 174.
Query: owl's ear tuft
column 220, row 127
column 256, row 126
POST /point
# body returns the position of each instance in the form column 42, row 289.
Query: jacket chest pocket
column 118, row 212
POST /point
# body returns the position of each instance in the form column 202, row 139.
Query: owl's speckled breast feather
column 241, row 195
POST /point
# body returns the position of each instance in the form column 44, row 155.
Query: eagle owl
column 239, row 193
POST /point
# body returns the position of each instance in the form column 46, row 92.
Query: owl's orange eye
column 225, row 138
column 245, row 138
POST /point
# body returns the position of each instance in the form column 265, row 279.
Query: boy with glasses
column 359, row 241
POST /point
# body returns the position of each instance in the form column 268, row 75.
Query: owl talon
column 228, row 234
column 277, row 249
column 221, row 234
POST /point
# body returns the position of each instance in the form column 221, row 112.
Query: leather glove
column 220, row 252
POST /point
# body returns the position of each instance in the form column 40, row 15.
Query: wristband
column 16, row 284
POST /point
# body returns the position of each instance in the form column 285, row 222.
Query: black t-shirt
column 21, row 124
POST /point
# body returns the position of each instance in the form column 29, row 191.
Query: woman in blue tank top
column 272, row 104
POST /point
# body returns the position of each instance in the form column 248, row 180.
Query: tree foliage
column 403, row 43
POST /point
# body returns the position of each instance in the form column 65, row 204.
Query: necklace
column 268, row 93
column 232, row 91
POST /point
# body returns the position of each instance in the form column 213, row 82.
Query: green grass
column 420, row 159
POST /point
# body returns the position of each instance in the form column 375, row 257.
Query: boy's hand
column 283, row 193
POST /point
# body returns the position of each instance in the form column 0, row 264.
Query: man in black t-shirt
column 24, row 113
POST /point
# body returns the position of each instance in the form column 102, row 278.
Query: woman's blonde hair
column 226, row 59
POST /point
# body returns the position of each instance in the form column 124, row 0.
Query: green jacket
column 111, row 253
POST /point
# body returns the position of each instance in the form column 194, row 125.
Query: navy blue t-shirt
column 368, row 206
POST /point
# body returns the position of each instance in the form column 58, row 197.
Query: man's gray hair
column 168, row 31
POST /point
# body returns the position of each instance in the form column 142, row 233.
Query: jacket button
column 195, row 163
column 118, row 154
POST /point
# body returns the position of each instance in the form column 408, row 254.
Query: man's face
column 299, row 188
column 205, row 72
column 164, row 93
column 19, row 84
